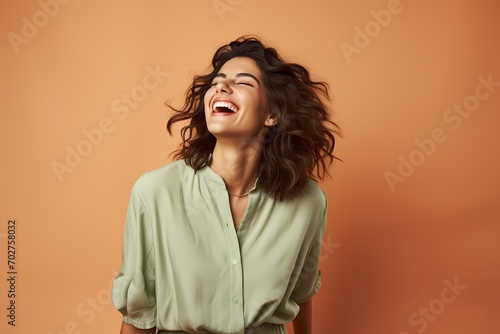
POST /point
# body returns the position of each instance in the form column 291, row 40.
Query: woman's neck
column 237, row 163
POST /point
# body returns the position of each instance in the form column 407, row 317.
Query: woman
column 227, row 239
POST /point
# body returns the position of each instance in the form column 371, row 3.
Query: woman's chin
column 218, row 130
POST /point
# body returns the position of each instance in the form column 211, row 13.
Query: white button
column 234, row 261
column 236, row 301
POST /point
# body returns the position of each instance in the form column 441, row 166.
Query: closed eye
column 238, row 83
column 245, row 83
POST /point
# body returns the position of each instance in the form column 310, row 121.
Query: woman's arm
column 129, row 329
column 302, row 324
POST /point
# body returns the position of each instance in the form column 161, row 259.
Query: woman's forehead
column 240, row 64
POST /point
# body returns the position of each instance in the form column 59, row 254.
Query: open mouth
column 224, row 108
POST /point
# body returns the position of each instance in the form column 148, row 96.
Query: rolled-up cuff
column 141, row 324
column 315, row 290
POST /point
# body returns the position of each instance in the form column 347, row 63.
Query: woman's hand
column 129, row 329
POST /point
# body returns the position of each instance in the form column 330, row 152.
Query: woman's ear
column 271, row 120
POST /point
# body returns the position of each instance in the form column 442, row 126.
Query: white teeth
column 228, row 105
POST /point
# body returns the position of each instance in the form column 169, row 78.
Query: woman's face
column 235, row 105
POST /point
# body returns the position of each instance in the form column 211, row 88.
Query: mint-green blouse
column 186, row 268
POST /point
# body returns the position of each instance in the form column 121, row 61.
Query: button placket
column 235, row 292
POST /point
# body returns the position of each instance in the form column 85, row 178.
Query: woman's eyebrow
column 243, row 74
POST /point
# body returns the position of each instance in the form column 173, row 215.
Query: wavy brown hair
column 298, row 148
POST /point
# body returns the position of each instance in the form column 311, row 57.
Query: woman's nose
column 222, row 87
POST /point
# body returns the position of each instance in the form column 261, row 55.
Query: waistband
column 261, row 329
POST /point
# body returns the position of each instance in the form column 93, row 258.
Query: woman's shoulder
column 167, row 176
column 311, row 196
column 308, row 208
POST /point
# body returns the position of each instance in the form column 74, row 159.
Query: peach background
column 389, row 251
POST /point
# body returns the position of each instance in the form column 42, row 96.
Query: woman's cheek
column 207, row 96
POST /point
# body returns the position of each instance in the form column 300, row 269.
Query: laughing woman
column 227, row 239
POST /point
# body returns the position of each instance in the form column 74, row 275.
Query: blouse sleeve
column 134, row 287
column 309, row 280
